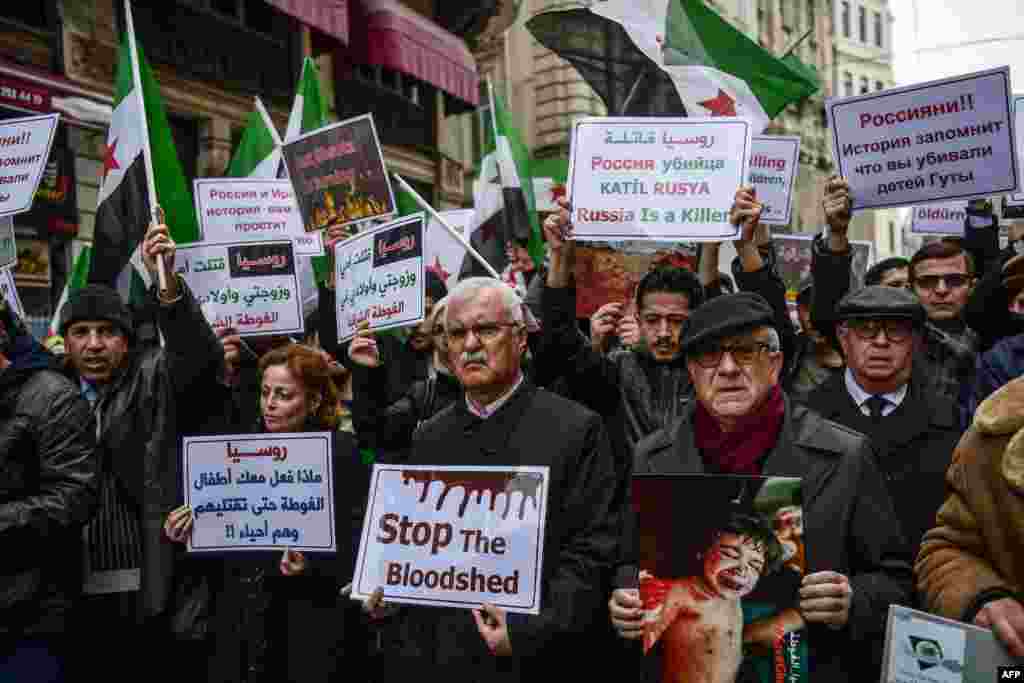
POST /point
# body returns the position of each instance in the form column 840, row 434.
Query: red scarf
column 738, row 451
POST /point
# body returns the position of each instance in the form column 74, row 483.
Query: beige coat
column 977, row 544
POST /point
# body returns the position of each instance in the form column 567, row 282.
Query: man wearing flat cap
column 881, row 394
column 741, row 422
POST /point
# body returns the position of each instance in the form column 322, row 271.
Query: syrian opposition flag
column 140, row 169
column 259, row 151
column 79, row 278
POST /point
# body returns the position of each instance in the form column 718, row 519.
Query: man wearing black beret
column 913, row 430
column 741, row 422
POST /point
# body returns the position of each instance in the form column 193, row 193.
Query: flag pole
column 508, row 232
column 454, row 233
column 796, row 44
column 156, row 213
column 267, row 121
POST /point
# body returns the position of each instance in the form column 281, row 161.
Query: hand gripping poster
column 721, row 561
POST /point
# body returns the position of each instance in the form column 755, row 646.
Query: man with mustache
column 742, row 423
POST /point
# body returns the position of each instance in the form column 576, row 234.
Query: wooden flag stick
column 161, row 265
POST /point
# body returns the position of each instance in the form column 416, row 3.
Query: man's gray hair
column 474, row 286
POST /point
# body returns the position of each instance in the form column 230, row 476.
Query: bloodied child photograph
column 721, row 561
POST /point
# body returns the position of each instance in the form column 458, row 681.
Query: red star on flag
column 109, row 162
column 557, row 191
column 722, row 105
column 438, row 269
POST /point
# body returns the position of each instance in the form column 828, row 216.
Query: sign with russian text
column 10, row 292
column 338, row 174
column 939, row 219
column 774, row 161
column 24, row 150
column 243, row 209
column 260, row 492
column 657, row 178
column 943, row 140
column 924, row 648
column 454, row 536
column 379, row 277
column 249, row 286
column 8, row 253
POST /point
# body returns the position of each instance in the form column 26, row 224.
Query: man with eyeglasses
column 505, row 420
column 913, row 431
column 741, row 422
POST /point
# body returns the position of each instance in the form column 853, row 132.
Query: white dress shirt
column 860, row 397
column 484, row 412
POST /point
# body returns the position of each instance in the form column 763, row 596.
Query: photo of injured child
column 720, row 578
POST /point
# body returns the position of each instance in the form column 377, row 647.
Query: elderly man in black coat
column 504, row 420
column 742, row 423
column 913, row 431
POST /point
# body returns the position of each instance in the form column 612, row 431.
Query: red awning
column 396, row 37
column 328, row 16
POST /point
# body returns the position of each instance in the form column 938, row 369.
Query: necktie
column 875, row 406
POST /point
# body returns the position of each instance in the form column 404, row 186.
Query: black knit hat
column 96, row 302
column 725, row 316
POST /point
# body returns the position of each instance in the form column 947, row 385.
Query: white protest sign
column 943, row 140
column 249, row 286
column 379, row 277
column 24, row 150
column 1017, row 198
column 236, row 209
column 260, row 492
column 442, row 253
column 10, row 292
column 8, row 253
column 939, row 219
column 774, row 161
column 482, row 543
column 657, row 178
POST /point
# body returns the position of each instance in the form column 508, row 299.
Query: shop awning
column 396, row 37
column 327, row 16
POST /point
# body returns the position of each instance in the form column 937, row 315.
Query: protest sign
column 693, row 531
column 774, row 161
column 606, row 273
column 442, row 253
column 939, row 219
column 793, row 261
column 24, row 150
column 924, row 648
column 243, row 209
column 338, row 174
column 657, row 178
column 260, row 492
column 379, row 277
column 10, row 292
column 8, row 253
column 484, row 543
column 942, row 140
column 249, row 286
column 1017, row 198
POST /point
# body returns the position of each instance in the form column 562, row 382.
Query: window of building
column 862, row 20
column 879, row 85
column 846, row 20
column 865, row 85
column 878, row 29
column 847, row 83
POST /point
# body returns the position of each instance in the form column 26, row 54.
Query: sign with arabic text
column 657, row 178
column 379, row 277
column 260, row 492
column 941, row 140
column 774, row 162
column 10, row 292
column 454, row 536
column 338, row 174
column 24, row 150
column 243, row 209
column 249, row 286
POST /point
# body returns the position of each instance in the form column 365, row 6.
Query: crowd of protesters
column 897, row 402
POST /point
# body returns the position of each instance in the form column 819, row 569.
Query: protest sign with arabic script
column 942, row 140
column 379, row 277
column 24, row 150
column 236, row 209
column 260, row 492
column 657, row 178
column 483, row 543
column 338, row 174
column 939, row 219
column 249, row 286
column 774, row 162
column 10, row 292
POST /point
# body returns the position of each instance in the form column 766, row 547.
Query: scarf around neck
column 739, row 451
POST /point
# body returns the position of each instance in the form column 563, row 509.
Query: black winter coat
column 850, row 527
column 47, row 492
column 535, row 427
